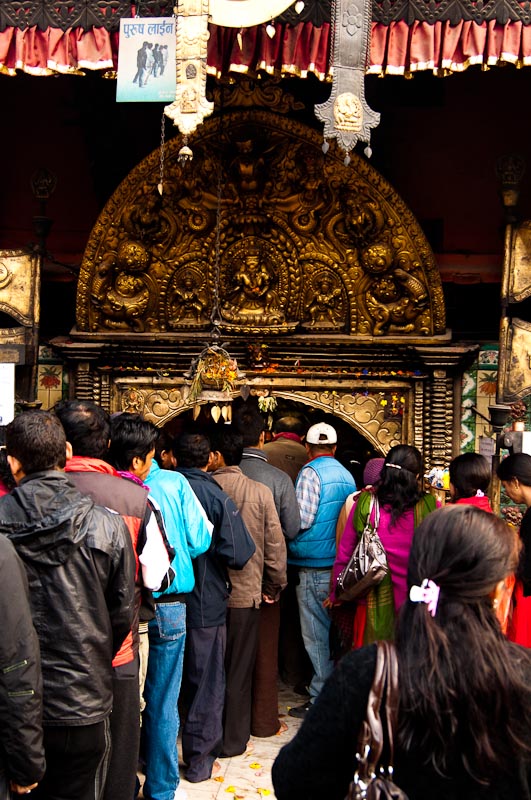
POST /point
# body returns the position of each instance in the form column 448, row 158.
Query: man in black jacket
column 21, row 748
column 206, row 608
column 80, row 568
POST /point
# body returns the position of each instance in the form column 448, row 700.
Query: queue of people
column 149, row 574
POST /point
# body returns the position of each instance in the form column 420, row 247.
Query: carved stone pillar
column 441, row 418
column 105, row 391
column 84, row 381
column 419, row 400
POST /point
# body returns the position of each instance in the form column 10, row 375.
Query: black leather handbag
column 372, row 780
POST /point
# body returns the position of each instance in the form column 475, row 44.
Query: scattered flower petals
column 255, row 765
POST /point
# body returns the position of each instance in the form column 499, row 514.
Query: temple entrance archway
column 267, row 245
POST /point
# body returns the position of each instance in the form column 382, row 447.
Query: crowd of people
column 148, row 581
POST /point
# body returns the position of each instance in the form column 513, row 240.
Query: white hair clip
column 428, row 592
column 393, row 466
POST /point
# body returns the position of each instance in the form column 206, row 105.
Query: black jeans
column 242, row 643
column 76, row 760
column 125, row 733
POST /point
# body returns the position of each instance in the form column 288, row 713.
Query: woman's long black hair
column 465, row 702
column 399, row 482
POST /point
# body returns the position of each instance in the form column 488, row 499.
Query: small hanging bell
column 271, row 30
column 215, row 413
column 196, row 411
column 299, row 6
column 346, row 160
column 184, row 155
column 326, row 147
column 368, row 151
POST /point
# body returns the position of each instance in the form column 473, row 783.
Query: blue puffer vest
column 316, row 546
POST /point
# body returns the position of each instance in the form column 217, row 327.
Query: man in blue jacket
column 322, row 487
column 189, row 533
column 206, row 610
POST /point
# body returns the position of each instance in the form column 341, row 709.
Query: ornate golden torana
column 19, row 300
column 514, row 374
column 262, row 234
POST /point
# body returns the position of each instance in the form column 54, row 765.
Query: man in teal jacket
column 189, row 533
column 322, row 487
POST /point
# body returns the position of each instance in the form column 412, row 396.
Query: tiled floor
column 249, row 775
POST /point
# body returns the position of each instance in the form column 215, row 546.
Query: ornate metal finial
column 43, row 183
column 345, row 114
column 190, row 106
column 510, row 170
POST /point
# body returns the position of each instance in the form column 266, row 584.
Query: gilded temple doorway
column 311, row 272
column 353, row 449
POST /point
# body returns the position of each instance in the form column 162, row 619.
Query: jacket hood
column 196, row 473
column 43, row 517
column 481, row 501
column 88, row 464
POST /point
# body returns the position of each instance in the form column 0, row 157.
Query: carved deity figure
column 247, row 168
column 253, row 295
column 143, row 220
column 395, row 299
column 363, row 217
column 187, row 303
column 323, row 309
column 119, row 292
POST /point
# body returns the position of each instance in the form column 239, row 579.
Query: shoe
column 300, row 711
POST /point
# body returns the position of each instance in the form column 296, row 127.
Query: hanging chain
column 160, row 187
column 333, row 21
column 367, row 45
column 215, row 317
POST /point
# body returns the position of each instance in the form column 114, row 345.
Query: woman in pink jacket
column 402, row 506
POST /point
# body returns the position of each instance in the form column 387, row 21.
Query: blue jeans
column 313, row 588
column 167, row 635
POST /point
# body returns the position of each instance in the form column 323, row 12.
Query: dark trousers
column 203, row 696
column 265, row 721
column 125, row 733
column 75, row 762
column 242, row 641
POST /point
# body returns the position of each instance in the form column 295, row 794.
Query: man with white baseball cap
column 322, row 487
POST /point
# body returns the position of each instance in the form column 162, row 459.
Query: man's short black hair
column 164, row 442
column 290, row 424
column 192, row 450
column 132, row 436
column 87, row 427
column 37, row 439
column 250, row 424
column 229, row 443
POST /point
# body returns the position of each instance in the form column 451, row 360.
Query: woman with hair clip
column 464, row 711
column 401, row 506
column 470, row 476
column 514, row 473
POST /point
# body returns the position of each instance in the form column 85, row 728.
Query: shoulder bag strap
column 373, row 722
column 391, row 698
column 363, row 510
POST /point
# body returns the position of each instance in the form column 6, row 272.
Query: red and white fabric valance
column 396, row 49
